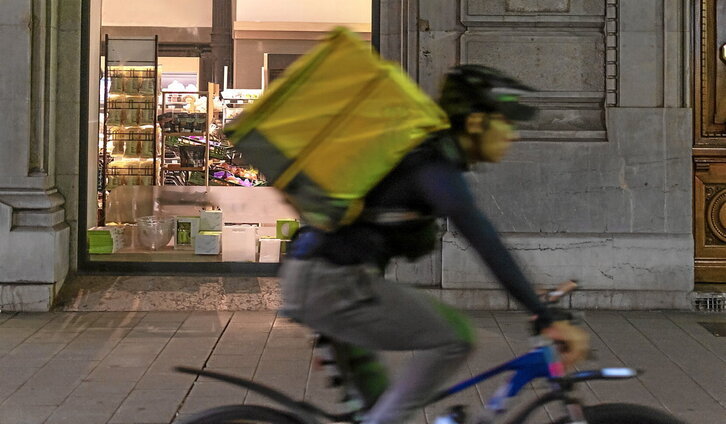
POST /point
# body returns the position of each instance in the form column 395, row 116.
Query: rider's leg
column 425, row 373
column 357, row 305
column 361, row 368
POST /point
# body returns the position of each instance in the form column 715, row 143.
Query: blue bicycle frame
column 538, row 363
column 541, row 362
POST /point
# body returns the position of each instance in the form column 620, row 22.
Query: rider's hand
column 573, row 342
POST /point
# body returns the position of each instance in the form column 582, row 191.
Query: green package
column 286, row 228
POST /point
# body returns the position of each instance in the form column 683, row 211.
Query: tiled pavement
column 115, row 367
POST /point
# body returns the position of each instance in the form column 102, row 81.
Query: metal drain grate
column 710, row 302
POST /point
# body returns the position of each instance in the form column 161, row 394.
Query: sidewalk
column 115, row 367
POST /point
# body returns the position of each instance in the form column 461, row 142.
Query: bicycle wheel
column 626, row 413
column 241, row 414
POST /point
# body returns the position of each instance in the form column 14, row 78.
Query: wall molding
column 708, row 132
column 522, row 37
column 293, row 30
column 611, row 52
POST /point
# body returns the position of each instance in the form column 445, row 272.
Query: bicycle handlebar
column 553, row 296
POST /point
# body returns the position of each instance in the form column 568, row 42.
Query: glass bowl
column 154, row 232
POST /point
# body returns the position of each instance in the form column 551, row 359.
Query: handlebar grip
column 561, row 290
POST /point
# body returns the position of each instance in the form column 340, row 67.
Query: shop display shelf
column 185, row 134
column 130, row 88
column 129, row 136
column 165, row 254
column 131, row 171
column 177, row 167
column 134, row 126
column 125, row 74
column 116, row 96
column 135, row 107
column 225, row 182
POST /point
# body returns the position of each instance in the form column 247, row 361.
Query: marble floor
column 167, row 293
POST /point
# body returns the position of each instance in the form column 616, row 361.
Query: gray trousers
column 356, row 305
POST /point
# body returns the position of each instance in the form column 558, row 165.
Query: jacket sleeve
column 444, row 188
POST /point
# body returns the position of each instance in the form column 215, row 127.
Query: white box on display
column 270, row 250
column 208, row 243
column 211, row 220
column 240, row 243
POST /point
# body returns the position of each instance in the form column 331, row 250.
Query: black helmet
column 477, row 88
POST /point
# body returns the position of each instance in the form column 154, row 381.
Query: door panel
column 709, row 150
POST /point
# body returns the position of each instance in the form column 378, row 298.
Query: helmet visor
column 507, row 102
column 516, row 111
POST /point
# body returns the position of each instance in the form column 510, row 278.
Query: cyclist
column 334, row 281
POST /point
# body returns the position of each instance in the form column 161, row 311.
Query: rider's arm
column 444, row 188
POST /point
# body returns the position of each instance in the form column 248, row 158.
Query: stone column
column 398, row 32
column 34, row 237
column 222, row 50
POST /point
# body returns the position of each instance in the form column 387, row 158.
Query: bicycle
column 541, row 362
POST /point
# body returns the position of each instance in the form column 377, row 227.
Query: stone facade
column 599, row 189
column 39, row 79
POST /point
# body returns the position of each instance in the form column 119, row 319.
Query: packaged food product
column 118, row 148
column 112, row 180
column 113, row 117
column 146, row 116
column 116, row 86
column 133, row 149
column 133, row 115
column 146, row 86
column 187, row 228
column 146, row 167
column 147, row 149
column 132, row 173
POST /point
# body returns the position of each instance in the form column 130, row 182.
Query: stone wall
column 599, row 188
column 39, row 118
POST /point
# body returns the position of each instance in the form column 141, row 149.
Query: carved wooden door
column 709, row 149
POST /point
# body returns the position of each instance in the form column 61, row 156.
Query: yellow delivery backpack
column 332, row 126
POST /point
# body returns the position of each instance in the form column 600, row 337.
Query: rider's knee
column 464, row 343
column 458, row 348
column 460, row 328
column 464, row 347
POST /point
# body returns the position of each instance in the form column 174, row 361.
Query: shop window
column 171, row 189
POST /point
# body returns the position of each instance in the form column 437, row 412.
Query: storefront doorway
column 164, row 191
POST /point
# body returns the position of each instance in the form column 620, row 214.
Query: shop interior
column 169, row 185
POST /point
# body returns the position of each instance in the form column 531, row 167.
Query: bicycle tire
column 624, row 413
column 241, row 414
